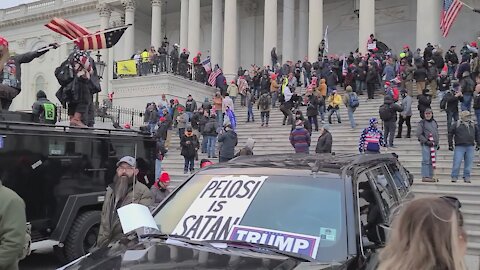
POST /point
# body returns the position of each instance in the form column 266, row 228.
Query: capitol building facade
column 232, row 32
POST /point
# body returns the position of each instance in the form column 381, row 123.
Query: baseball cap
column 127, row 159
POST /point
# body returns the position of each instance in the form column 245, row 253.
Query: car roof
column 297, row 164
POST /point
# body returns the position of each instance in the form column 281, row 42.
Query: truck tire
column 83, row 234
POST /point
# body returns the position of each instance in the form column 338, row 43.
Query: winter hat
column 473, row 44
column 205, row 163
column 465, row 74
column 348, row 89
column 465, row 116
column 162, row 119
column 387, row 83
column 164, row 177
column 326, row 127
column 41, row 94
column 299, row 123
column 373, row 121
column 428, row 110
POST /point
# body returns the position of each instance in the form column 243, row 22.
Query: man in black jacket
column 451, row 58
column 451, row 100
column 11, row 66
column 228, row 140
column 466, row 134
column 390, row 124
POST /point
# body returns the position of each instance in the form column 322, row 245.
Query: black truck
column 62, row 174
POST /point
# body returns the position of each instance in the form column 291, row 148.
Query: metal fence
column 117, row 115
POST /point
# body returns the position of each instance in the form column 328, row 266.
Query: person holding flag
column 11, row 65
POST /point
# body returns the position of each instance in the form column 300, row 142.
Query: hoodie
column 248, row 149
column 228, row 142
column 371, row 138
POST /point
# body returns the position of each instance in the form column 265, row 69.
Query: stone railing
column 136, row 92
column 38, row 7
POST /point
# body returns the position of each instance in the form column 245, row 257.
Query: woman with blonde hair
column 428, row 234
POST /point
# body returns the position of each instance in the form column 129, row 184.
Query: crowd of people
column 289, row 86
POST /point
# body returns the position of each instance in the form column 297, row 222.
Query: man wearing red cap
column 12, row 71
column 160, row 188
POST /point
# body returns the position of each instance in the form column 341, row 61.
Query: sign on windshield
column 220, row 205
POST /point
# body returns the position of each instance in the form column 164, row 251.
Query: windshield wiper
column 271, row 248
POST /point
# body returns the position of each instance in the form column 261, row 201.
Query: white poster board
column 218, row 207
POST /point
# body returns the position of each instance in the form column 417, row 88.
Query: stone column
column 288, row 32
column 315, row 28
column 183, row 24
column 216, row 46
column 428, row 18
column 302, row 29
column 269, row 30
column 129, row 48
column 156, row 34
column 230, row 44
column 366, row 23
column 104, row 12
column 193, row 27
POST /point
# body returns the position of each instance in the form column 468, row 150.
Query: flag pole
column 86, row 36
column 467, row 6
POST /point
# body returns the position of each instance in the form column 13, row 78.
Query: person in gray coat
column 324, row 143
column 427, row 134
column 228, row 140
column 405, row 114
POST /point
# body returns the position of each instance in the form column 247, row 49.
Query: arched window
column 40, row 83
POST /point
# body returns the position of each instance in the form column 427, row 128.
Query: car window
column 297, row 205
column 369, row 210
column 383, row 183
column 400, row 178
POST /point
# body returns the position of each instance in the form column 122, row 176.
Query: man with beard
column 124, row 190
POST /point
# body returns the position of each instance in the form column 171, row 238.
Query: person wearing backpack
column 465, row 134
column 350, row 99
column 427, row 134
column 388, row 114
column 405, row 114
column 449, row 103
column 264, row 107
column 43, row 110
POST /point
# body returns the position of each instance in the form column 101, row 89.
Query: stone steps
column 274, row 140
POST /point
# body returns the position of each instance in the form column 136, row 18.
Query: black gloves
column 450, row 148
column 54, row 45
column 430, row 143
column 477, row 148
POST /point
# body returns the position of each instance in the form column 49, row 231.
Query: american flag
column 207, row 65
column 213, row 77
column 433, row 154
column 344, row 66
column 83, row 38
column 450, row 10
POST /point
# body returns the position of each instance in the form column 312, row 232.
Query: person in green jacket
column 12, row 228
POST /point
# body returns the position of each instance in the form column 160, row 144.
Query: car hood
column 174, row 254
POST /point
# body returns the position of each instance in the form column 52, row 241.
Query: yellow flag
column 126, row 67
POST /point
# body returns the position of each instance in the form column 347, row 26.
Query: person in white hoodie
column 227, row 103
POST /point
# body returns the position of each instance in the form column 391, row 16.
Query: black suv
column 270, row 212
column 62, row 173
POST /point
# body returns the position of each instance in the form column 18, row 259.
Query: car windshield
column 298, row 214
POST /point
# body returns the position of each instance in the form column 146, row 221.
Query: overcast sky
column 12, row 3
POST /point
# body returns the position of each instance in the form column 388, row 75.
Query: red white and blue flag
column 207, row 65
column 450, row 10
column 212, row 79
column 84, row 39
column 344, row 66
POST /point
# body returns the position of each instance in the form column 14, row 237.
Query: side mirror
column 410, row 178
